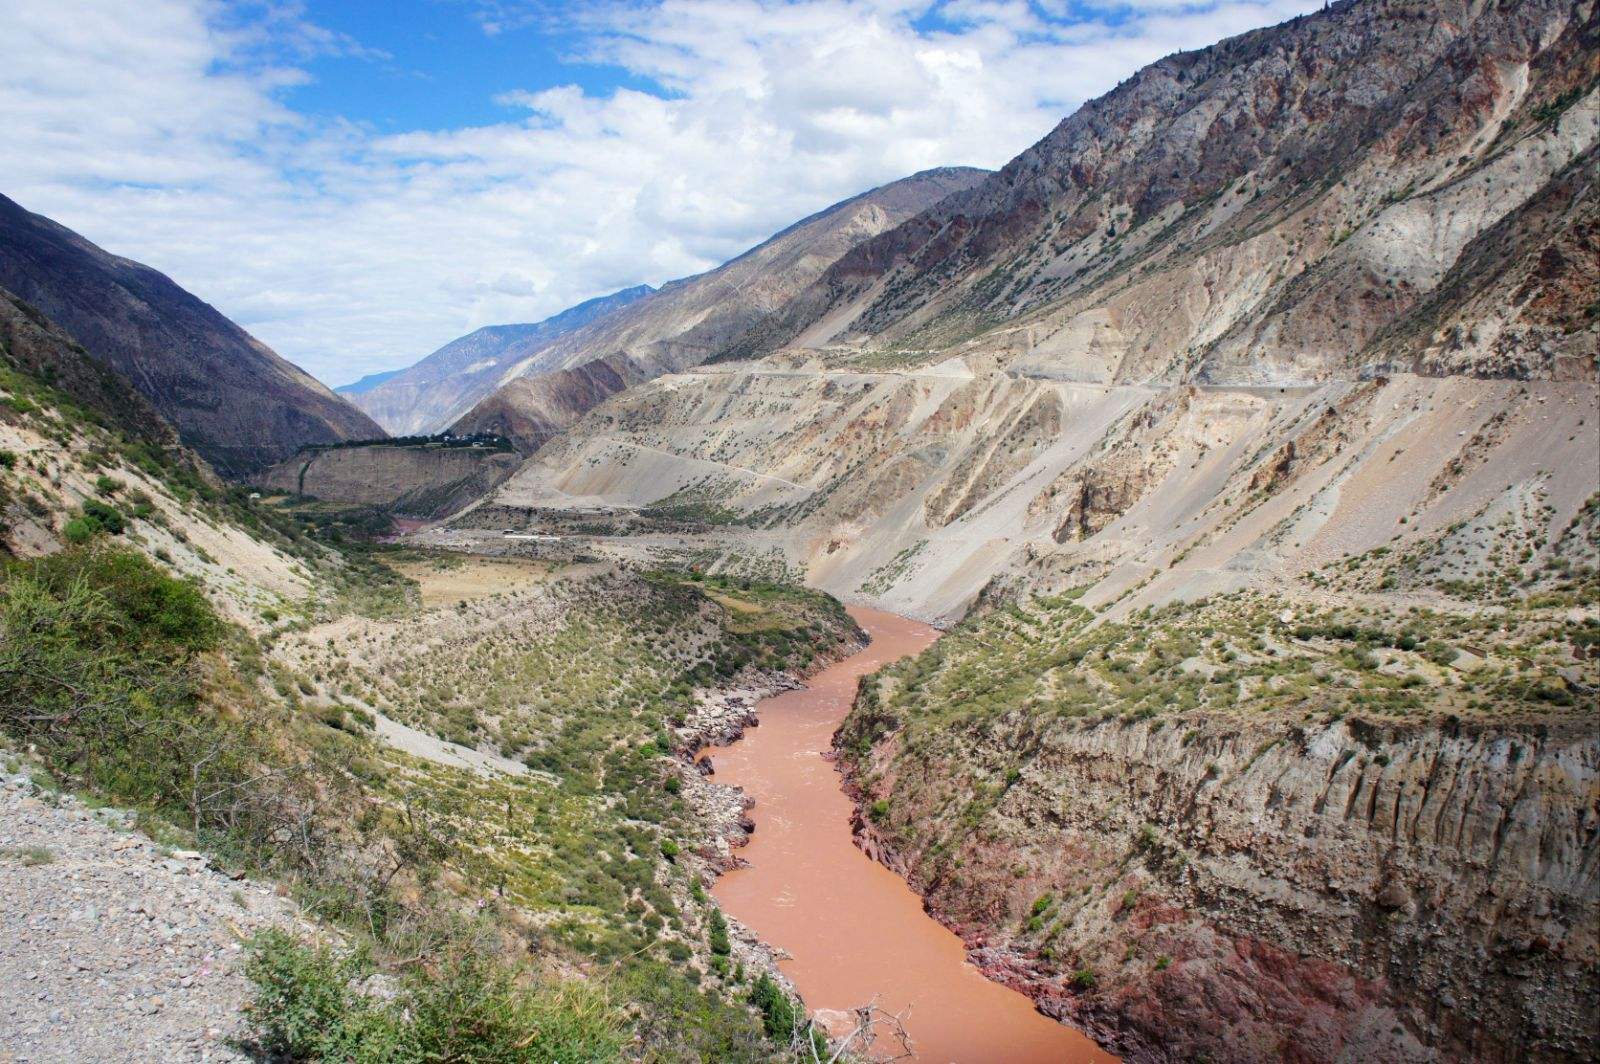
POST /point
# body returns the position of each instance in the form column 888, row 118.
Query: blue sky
column 440, row 67
column 358, row 183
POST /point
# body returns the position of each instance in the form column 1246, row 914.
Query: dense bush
column 470, row 1009
column 100, row 670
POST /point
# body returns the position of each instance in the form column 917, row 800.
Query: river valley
column 854, row 931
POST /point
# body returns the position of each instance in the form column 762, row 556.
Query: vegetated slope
column 1256, row 211
column 232, row 399
column 248, row 690
column 410, row 477
column 84, row 458
column 430, row 395
column 692, row 320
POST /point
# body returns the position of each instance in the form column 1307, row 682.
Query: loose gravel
column 113, row 948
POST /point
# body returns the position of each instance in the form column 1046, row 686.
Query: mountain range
column 1293, row 335
column 432, row 394
column 1244, row 432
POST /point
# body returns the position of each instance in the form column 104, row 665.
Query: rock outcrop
column 231, row 398
column 1273, row 891
column 426, row 481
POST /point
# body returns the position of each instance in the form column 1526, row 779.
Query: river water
column 855, row 931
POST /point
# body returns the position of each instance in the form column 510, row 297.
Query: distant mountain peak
column 431, row 393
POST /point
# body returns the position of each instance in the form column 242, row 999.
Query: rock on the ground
column 113, row 948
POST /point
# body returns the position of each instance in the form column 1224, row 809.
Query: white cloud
column 158, row 130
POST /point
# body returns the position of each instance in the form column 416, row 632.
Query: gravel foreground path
column 111, row 948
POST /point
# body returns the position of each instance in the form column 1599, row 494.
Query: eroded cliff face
column 1256, row 832
column 1412, row 893
column 413, row 481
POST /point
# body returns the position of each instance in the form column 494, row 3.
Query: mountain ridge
column 232, row 398
column 693, row 319
column 1360, row 123
column 432, row 393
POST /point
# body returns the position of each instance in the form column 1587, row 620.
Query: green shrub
column 103, row 517
column 470, row 1008
column 779, row 1015
column 720, row 945
column 98, row 670
column 78, row 531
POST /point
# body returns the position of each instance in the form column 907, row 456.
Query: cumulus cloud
column 160, row 130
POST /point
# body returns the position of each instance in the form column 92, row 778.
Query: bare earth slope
column 230, row 396
column 1255, row 211
column 690, row 321
column 430, row 395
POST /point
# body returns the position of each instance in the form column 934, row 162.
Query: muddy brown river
column 854, row 930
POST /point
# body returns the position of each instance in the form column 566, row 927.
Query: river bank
column 845, row 930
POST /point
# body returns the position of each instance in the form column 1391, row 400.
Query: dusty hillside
column 229, row 396
column 421, row 480
column 84, row 457
column 918, row 489
column 434, row 393
column 690, row 321
column 1258, row 211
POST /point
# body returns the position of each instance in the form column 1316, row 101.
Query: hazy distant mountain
column 431, row 394
column 692, row 320
column 369, row 382
column 230, row 396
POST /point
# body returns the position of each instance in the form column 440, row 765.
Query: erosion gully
column 855, row 931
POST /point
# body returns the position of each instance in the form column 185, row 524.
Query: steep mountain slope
column 85, row 457
column 432, row 394
column 229, row 396
column 1256, row 211
column 692, row 320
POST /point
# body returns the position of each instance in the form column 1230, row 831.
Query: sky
column 359, row 183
